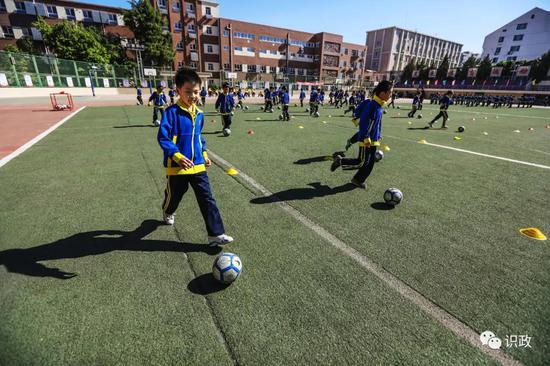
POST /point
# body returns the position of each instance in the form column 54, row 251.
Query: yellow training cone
column 329, row 116
column 300, row 126
column 484, row 117
column 258, row 118
column 410, row 122
column 473, row 119
column 533, row 233
column 325, row 122
column 422, row 141
column 458, row 138
column 485, row 133
column 232, row 171
column 386, row 148
column 516, row 131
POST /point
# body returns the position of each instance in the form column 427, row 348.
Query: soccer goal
column 62, row 101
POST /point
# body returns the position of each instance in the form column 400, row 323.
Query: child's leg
column 176, row 186
column 355, row 163
column 207, row 204
column 437, row 117
column 366, row 168
column 155, row 113
column 445, row 118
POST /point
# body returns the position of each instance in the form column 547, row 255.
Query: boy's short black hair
column 186, row 75
column 383, row 86
column 225, row 85
column 450, row 92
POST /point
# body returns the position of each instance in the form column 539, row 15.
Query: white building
column 524, row 38
column 466, row 55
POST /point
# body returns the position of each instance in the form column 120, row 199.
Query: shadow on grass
column 400, row 117
column 383, row 206
column 317, row 190
column 26, row 261
column 315, row 159
column 419, row 128
column 211, row 132
column 205, row 284
column 132, row 126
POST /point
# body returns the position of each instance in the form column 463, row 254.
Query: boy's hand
column 207, row 162
column 184, row 162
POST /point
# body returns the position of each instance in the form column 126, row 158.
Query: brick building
column 16, row 18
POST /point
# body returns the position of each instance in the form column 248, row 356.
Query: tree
column 12, row 48
column 484, row 69
column 147, row 22
column 407, row 70
column 539, row 70
column 74, row 42
column 443, row 68
column 462, row 73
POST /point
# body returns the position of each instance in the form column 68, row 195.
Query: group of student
column 496, row 101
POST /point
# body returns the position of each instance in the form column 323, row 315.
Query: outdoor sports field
column 89, row 275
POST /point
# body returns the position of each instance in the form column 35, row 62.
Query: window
column 26, row 32
column 521, row 26
column 512, row 58
column 244, row 35
column 70, row 13
column 532, row 16
column 177, row 27
column 52, row 11
column 193, row 65
column 237, row 48
column 345, row 51
column 191, row 28
column 87, row 15
column 250, row 49
column 378, row 44
column 179, row 45
column 112, row 18
column 226, row 67
column 497, row 51
column 263, row 69
column 495, row 60
column 272, row 39
column 176, row 5
column 209, row 49
column 161, row 4
column 518, row 37
column 238, row 67
column 514, row 49
column 8, row 31
column 252, row 68
column 500, row 39
column 180, row 64
column 354, row 53
column 190, row 8
column 226, row 33
column 504, row 30
column 208, row 10
column 209, row 30
column 210, row 66
column 20, row 7
column 193, row 47
column 226, row 48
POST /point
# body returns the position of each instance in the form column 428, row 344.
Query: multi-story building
column 231, row 49
column 16, row 18
column 390, row 49
column 466, row 55
column 524, row 38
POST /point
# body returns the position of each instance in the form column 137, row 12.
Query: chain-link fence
column 25, row 70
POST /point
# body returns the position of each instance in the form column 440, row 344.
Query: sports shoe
column 358, row 184
column 444, row 127
column 348, row 144
column 168, row 219
column 222, row 239
column 430, row 125
column 336, row 163
column 156, row 123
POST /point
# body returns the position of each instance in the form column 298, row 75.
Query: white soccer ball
column 271, row 110
column 278, row 107
column 398, row 107
column 245, row 107
column 379, row 155
column 280, row 116
column 317, row 114
column 307, row 109
column 227, row 268
column 156, row 123
column 232, row 113
column 419, row 116
column 393, row 196
column 385, row 111
column 226, row 132
column 461, row 129
column 262, row 108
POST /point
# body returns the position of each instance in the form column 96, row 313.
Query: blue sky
column 463, row 21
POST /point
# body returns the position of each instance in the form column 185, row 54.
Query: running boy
column 186, row 159
column 159, row 103
column 225, row 104
column 443, row 106
column 415, row 102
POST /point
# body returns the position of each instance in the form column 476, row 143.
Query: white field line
column 494, row 113
column 6, row 159
column 441, row 315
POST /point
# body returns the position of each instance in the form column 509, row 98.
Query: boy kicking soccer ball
column 370, row 128
column 443, row 107
column 159, row 103
column 186, row 159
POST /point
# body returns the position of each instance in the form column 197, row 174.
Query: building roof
column 417, row 32
column 535, row 9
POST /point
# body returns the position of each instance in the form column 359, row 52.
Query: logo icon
column 488, row 338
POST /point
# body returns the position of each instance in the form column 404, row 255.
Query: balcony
column 194, row 56
column 208, row 16
column 191, row 14
column 192, row 35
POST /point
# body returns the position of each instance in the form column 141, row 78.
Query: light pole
column 96, row 69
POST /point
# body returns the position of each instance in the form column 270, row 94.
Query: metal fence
column 25, row 70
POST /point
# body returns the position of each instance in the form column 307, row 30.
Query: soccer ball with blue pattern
column 227, row 268
column 393, row 196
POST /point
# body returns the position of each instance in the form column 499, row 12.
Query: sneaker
column 430, row 125
column 168, row 219
column 358, row 184
column 444, row 127
column 222, row 239
column 348, row 144
column 336, row 163
column 156, row 123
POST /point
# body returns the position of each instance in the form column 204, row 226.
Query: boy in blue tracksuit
column 443, row 107
column 240, row 98
column 352, row 103
column 313, row 102
column 172, row 95
column 302, row 97
column 186, row 159
column 414, row 108
column 159, row 103
column 139, row 96
column 203, row 96
column 268, row 101
column 225, row 104
column 370, row 133
column 285, row 101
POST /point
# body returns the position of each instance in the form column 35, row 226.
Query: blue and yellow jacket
column 225, row 103
column 203, row 93
column 302, row 94
column 285, row 99
column 180, row 135
column 313, row 97
column 370, row 122
column 159, row 99
column 444, row 103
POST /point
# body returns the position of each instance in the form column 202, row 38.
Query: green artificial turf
column 85, row 200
